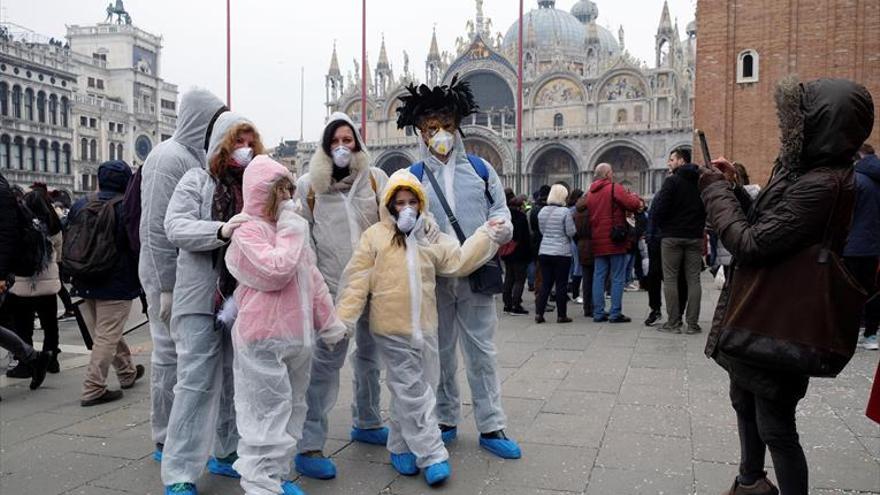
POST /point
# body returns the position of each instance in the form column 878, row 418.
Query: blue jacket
column 864, row 234
column 123, row 285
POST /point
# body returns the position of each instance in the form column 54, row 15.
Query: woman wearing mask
column 557, row 226
column 202, row 215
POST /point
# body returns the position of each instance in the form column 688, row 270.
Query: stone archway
column 630, row 167
column 486, row 151
column 392, row 162
column 554, row 164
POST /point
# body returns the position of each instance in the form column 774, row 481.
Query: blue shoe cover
column 222, row 468
column 405, row 464
column 291, row 488
column 319, row 468
column 157, row 456
column 504, row 448
column 449, row 435
column 181, row 489
column 373, row 436
column 437, row 473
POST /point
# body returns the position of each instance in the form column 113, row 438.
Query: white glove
column 335, row 333
column 500, row 230
column 432, row 230
column 165, row 301
column 235, row 222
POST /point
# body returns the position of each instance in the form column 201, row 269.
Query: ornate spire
column 620, row 37
column 665, row 19
column 479, row 19
column 383, row 56
column 434, row 52
column 334, row 63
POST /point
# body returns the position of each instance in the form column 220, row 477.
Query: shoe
column 631, row 288
column 108, row 396
column 518, row 311
column 539, row 319
column 291, row 488
column 21, row 370
column 315, row 465
column 372, row 436
column 579, row 300
column 498, row 444
column 437, row 473
column 39, row 366
column 600, row 319
column 138, row 374
column 405, row 463
column 68, row 315
column 448, row 433
column 652, row 318
column 563, row 319
column 620, row 319
column 53, row 366
column 223, row 467
column 668, row 328
column 693, row 329
column 870, row 343
column 181, row 489
column 760, row 487
column 157, row 454
column 506, row 310
column 550, row 308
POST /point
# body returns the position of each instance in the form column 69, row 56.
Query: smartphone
column 705, row 147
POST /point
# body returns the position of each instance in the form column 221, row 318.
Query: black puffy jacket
column 8, row 228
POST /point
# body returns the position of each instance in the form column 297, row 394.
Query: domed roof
column 585, row 11
column 550, row 26
column 691, row 28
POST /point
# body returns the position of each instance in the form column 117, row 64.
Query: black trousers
column 554, row 271
column 654, row 279
column 514, row 283
column 587, row 289
column 765, row 423
column 864, row 269
column 23, row 310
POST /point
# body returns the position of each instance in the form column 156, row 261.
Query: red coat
column 599, row 206
column 873, row 411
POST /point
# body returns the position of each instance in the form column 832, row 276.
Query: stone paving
column 598, row 409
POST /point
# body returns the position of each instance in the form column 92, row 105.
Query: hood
column 259, row 178
column 198, row 108
column 321, row 164
column 399, row 179
column 599, row 184
column 224, row 123
column 822, row 122
column 113, row 176
column 688, row 172
column 870, row 166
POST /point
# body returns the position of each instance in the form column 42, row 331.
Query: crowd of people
column 256, row 283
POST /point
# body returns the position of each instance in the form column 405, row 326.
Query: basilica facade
column 586, row 100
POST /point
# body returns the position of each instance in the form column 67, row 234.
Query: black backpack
column 131, row 207
column 34, row 247
column 90, row 249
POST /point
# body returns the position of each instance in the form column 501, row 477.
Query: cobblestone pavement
column 598, row 409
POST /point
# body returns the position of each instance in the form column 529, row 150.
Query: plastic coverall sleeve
column 267, row 264
column 459, row 261
column 183, row 226
column 353, row 297
column 499, row 209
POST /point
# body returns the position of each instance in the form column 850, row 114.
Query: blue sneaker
column 317, row 467
column 501, row 446
column 291, row 488
column 405, row 464
column 449, row 435
column 373, row 436
column 223, row 467
column 437, row 473
column 157, row 456
column 181, row 489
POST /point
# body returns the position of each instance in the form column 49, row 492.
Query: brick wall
column 810, row 38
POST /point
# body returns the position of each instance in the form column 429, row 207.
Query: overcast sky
column 273, row 39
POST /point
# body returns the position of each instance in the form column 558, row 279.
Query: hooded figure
column 393, row 271
column 282, row 301
column 161, row 172
column 340, row 201
column 199, row 222
column 464, row 315
column 822, row 124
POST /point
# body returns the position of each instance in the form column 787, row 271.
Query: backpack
column 131, row 208
column 90, row 249
column 418, row 169
column 34, row 247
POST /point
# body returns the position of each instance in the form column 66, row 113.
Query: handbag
column 773, row 323
column 619, row 233
column 507, row 248
column 486, row 280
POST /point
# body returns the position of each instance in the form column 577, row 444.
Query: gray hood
column 225, row 122
column 197, row 110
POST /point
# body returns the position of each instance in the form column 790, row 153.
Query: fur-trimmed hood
column 822, row 123
column 321, row 164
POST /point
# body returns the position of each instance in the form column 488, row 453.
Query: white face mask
column 341, row 156
column 406, row 219
column 243, row 156
column 441, row 142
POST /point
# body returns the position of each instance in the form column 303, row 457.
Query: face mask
column 243, row 156
column 441, row 142
column 406, row 219
column 341, row 156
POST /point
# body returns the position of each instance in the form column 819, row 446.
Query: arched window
column 65, row 157
column 84, row 149
column 43, row 156
column 5, row 151
column 4, row 98
column 621, row 116
column 112, row 151
column 29, row 104
column 93, row 151
column 41, row 107
column 55, row 158
column 31, row 155
column 119, row 152
column 65, row 111
column 747, row 66
column 16, row 101
column 558, row 121
column 17, row 153
column 53, row 110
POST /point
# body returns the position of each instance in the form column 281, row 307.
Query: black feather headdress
column 455, row 99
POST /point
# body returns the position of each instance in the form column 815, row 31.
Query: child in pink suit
column 282, row 302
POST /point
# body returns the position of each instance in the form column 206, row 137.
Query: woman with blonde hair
column 557, row 224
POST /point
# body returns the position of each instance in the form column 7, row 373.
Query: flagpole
column 228, row 58
column 364, row 71
column 519, row 102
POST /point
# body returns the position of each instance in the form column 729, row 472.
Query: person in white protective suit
column 339, row 199
column 394, row 268
column 161, row 172
column 474, row 194
column 202, row 214
column 281, row 301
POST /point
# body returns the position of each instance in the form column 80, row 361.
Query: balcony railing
column 100, row 103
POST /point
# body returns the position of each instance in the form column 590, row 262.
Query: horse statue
column 119, row 10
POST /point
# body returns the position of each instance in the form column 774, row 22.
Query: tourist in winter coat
column 161, row 172
column 394, row 270
column 585, row 252
column 609, row 256
column 822, row 125
column 202, row 215
column 516, row 263
column 557, row 226
column 339, row 197
column 282, row 301
column 575, row 274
